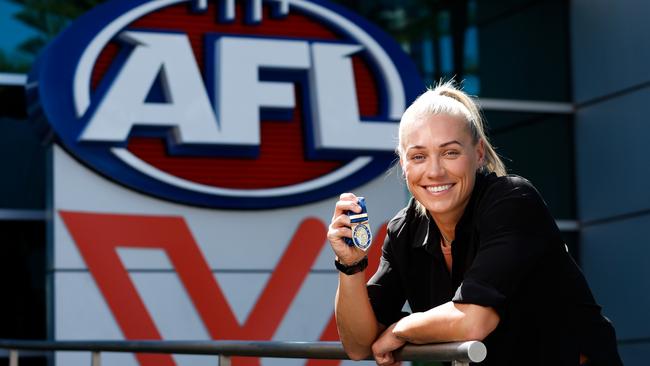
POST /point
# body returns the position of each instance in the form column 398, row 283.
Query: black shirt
column 508, row 254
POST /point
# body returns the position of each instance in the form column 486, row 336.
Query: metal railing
column 459, row 353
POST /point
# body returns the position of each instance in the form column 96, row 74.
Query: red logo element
column 99, row 235
column 330, row 333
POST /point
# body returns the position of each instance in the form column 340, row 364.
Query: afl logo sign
column 248, row 104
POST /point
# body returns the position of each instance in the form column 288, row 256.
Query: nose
column 435, row 169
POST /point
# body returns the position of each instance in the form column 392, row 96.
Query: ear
column 480, row 152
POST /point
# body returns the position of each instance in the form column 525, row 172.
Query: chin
column 435, row 208
column 441, row 207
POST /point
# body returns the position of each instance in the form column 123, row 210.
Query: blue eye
column 451, row 153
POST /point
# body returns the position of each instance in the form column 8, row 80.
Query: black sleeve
column 513, row 229
column 596, row 334
column 384, row 289
column 597, row 337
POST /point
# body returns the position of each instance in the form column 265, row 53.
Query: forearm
column 357, row 325
column 446, row 323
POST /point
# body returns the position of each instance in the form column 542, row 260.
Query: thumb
column 385, row 358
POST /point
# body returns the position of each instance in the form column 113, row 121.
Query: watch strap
column 352, row 268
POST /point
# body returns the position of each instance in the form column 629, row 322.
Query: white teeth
column 439, row 188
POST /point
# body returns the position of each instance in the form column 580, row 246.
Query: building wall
column 611, row 78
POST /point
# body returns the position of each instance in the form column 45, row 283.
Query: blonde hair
column 448, row 100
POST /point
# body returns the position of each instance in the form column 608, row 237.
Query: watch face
column 362, row 237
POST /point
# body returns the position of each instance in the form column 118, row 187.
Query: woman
column 475, row 253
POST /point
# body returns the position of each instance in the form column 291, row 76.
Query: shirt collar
column 423, row 231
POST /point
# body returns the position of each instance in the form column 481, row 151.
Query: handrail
column 460, row 353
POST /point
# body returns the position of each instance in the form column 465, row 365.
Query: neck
column 447, row 221
column 447, row 231
column 445, row 241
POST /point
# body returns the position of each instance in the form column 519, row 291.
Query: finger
column 343, row 206
column 345, row 253
column 380, row 358
column 389, row 358
column 341, row 220
column 339, row 228
column 385, row 359
column 336, row 234
column 348, row 197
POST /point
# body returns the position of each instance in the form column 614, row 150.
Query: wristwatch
column 352, row 268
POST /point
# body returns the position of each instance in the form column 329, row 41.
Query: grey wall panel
column 635, row 354
column 616, row 262
column 613, row 167
column 610, row 46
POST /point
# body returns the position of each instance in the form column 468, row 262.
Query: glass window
column 524, row 50
column 22, row 277
column 22, row 162
column 12, row 102
column 539, row 147
column 15, row 32
column 27, row 26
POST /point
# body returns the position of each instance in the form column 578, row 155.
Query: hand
column 340, row 228
column 384, row 346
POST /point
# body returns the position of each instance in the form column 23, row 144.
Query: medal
column 361, row 234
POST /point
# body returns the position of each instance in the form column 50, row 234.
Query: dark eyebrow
column 450, row 143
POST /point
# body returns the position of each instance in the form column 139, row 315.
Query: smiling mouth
column 438, row 189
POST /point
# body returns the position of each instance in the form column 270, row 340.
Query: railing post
column 224, row 360
column 95, row 359
column 13, row 357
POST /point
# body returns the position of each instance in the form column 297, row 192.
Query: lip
column 438, row 189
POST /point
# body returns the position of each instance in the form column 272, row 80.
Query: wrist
column 350, row 269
